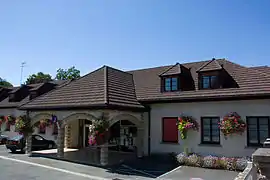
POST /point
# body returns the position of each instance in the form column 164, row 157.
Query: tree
column 5, row 83
column 70, row 73
column 40, row 77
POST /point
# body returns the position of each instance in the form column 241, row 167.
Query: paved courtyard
column 21, row 167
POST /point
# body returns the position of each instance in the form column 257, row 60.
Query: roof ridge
column 106, row 89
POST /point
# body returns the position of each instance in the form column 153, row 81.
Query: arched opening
column 43, row 126
column 77, row 129
column 123, row 135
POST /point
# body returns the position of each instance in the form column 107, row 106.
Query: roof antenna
column 22, row 66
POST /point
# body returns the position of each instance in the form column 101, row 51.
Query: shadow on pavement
column 148, row 167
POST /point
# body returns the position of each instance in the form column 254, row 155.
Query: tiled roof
column 176, row 69
column 210, row 66
column 6, row 104
column 263, row 69
column 104, row 87
column 108, row 86
column 147, row 83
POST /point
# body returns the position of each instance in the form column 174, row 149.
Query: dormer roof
column 173, row 70
column 210, row 66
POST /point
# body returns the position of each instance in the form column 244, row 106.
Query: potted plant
column 186, row 123
column 10, row 120
column 23, row 125
column 99, row 131
column 232, row 123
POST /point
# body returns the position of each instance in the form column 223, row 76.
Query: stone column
column 29, row 144
column 60, row 142
column 139, row 142
column 67, row 136
column 104, row 153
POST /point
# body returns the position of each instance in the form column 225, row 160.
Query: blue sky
column 129, row 34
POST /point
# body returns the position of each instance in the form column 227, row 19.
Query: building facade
column 143, row 107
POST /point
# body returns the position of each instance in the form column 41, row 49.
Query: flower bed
column 213, row 162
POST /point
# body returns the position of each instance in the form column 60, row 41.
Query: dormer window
column 11, row 97
column 209, row 82
column 171, row 84
column 33, row 94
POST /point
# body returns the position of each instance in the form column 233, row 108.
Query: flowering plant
column 99, row 131
column 213, row 162
column 44, row 123
column 232, row 123
column 185, row 123
column 10, row 119
column 23, row 125
column 2, row 119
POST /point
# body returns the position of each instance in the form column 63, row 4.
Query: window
column 39, row 138
column 209, row 82
column 171, row 84
column 210, row 130
column 169, row 130
column 257, row 130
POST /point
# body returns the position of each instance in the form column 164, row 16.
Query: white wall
column 13, row 112
column 236, row 145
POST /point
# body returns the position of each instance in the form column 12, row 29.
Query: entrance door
column 85, row 135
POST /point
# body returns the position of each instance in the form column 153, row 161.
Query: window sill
column 209, row 145
column 170, row 143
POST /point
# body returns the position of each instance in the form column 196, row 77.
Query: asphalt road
column 15, row 167
column 21, row 167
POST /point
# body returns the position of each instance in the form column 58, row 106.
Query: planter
column 102, row 138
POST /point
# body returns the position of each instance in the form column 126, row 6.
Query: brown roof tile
column 6, row 104
column 210, row 66
column 176, row 69
column 103, row 87
column 147, row 82
column 109, row 86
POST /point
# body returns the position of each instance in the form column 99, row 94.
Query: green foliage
column 5, row 83
column 40, row 77
column 65, row 74
column 23, row 125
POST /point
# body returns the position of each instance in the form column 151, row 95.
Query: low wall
column 250, row 173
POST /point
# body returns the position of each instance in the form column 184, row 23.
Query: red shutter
column 170, row 131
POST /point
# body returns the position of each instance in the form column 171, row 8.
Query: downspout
column 149, row 131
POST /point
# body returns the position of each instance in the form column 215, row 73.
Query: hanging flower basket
column 44, row 123
column 232, row 123
column 10, row 120
column 186, row 123
column 2, row 119
column 23, row 125
column 99, row 131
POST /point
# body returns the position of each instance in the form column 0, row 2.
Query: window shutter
column 170, row 131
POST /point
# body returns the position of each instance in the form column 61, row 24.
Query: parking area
column 155, row 167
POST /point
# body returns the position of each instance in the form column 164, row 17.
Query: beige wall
column 74, row 133
column 232, row 146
